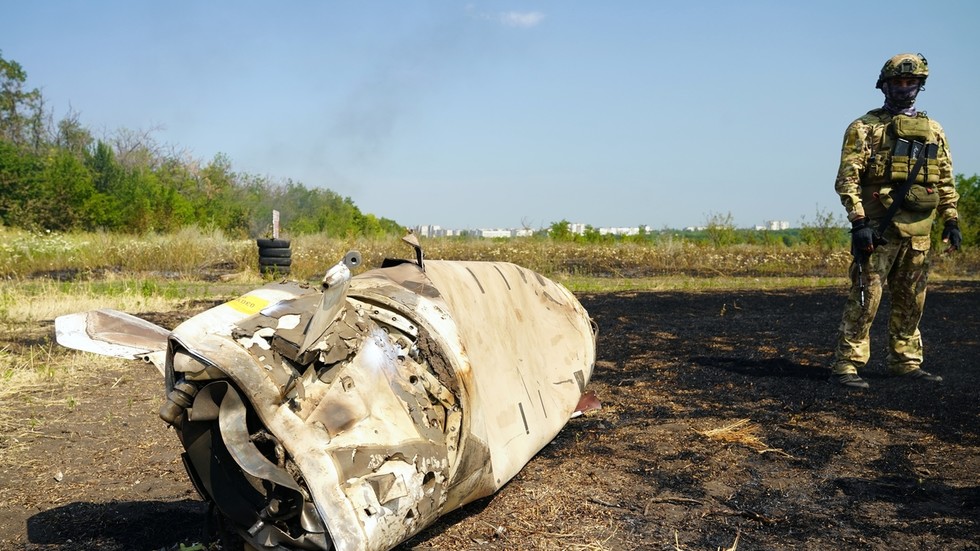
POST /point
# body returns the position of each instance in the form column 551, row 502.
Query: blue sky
column 496, row 114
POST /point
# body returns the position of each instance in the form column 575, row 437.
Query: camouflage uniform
column 863, row 181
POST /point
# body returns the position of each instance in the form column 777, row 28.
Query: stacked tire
column 275, row 256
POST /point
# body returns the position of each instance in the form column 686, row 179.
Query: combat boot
column 920, row 375
column 851, row 380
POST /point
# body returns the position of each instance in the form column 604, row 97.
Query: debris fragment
column 351, row 416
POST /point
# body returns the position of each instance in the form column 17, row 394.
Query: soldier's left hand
column 952, row 235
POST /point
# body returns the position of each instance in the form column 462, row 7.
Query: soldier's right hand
column 862, row 238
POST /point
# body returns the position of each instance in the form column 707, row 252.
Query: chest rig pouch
column 908, row 134
column 908, row 141
column 911, row 137
column 920, row 197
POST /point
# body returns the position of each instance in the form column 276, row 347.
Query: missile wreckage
column 349, row 416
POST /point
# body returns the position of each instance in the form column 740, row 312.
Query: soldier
column 880, row 152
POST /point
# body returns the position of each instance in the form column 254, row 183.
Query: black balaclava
column 900, row 99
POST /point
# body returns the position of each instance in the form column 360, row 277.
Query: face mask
column 899, row 98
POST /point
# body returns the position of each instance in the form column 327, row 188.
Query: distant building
column 435, row 231
column 776, row 225
column 490, row 234
column 577, row 228
column 429, row 231
column 635, row 230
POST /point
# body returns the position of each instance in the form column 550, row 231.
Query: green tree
column 827, row 232
column 216, row 198
column 20, row 172
column 74, row 137
column 105, row 209
column 643, row 235
column 134, row 194
column 720, row 229
column 173, row 208
column 48, row 193
column 63, row 191
column 20, row 109
column 65, row 179
column 561, row 231
column 968, row 208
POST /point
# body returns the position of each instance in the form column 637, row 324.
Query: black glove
column 952, row 235
column 862, row 238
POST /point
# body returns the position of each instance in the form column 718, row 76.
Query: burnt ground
column 895, row 467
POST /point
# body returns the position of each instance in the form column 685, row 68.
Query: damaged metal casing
column 353, row 415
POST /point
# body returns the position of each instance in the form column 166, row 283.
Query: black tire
column 273, row 243
column 274, row 261
column 275, row 252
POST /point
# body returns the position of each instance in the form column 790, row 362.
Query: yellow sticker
column 248, row 304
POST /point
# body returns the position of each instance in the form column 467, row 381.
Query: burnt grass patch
column 719, row 429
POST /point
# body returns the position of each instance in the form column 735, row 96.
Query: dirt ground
column 807, row 465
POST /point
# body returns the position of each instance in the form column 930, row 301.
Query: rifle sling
column 898, row 201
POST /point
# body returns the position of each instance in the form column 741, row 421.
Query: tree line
column 58, row 176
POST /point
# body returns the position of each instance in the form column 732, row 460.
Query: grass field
column 193, row 254
column 43, row 276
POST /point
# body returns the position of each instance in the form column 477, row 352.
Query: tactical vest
column 890, row 147
column 889, row 165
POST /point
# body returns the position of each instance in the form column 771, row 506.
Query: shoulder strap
column 881, row 114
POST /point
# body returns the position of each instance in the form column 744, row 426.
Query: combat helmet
column 906, row 65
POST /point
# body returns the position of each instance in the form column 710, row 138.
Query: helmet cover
column 904, row 65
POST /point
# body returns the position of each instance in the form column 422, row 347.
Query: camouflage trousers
column 904, row 264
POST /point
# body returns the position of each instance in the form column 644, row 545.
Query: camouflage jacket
column 867, row 139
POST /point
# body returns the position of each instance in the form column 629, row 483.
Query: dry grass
column 34, row 369
column 40, row 377
column 188, row 251
column 677, row 545
column 589, row 284
column 192, row 252
column 743, row 432
column 43, row 299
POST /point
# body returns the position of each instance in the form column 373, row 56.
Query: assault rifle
column 862, row 286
